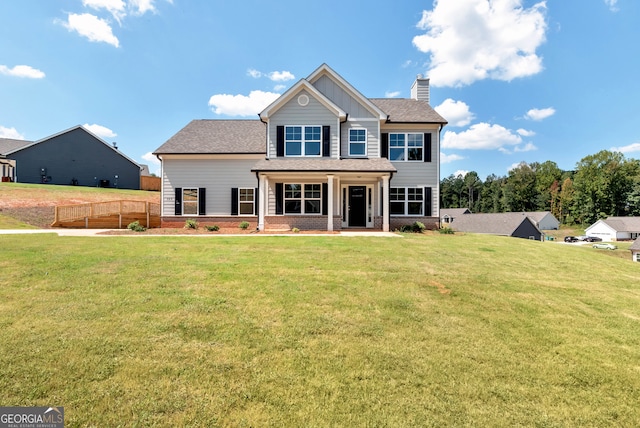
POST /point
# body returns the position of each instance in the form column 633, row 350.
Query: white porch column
column 330, row 203
column 385, row 203
column 262, row 203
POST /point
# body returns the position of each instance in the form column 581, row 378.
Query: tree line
column 602, row 185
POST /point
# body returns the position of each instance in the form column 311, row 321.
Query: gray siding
column 342, row 99
column 373, row 142
column 76, row 155
column 313, row 113
column 218, row 176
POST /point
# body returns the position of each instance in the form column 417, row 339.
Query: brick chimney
column 420, row 89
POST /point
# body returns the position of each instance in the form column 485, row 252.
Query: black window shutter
column 202, row 201
column 280, row 141
column 384, row 145
column 427, row 147
column 255, row 198
column 428, row 201
column 234, row 201
column 279, row 198
column 325, row 197
column 326, row 141
column 178, row 201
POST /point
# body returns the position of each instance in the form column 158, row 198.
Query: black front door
column 357, row 206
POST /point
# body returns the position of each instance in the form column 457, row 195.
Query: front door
column 357, row 206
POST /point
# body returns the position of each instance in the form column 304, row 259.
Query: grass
column 428, row 330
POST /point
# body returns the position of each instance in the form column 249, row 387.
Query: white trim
column 406, row 146
column 191, row 202
column 406, row 201
column 253, row 202
column 302, row 198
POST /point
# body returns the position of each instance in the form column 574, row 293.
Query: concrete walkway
column 97, row 232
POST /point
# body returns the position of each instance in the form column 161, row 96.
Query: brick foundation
column 231, row 222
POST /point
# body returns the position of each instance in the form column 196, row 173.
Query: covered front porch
column 346, row 194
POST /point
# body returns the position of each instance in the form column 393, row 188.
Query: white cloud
column 392, row 94
column 525, row 132
column 444, row 158
column 461, row 173
column 91, row 27
column 241, row 105
column 455, row 112
column 481, row 136
column 281, row 76
column 635, row 147
column 254, row 73
column 279, row 88
column 538, row 114
column 140, row 7
column 117, row 8
column 151, row 158
column 514, row 166
column 100, row 130
column 22, row 71
column 470, row 40
column 10, row 133
column 612, row 4
column 526, row 148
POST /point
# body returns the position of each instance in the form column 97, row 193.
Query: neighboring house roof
column 494, row 223
column 215, row 136
column 622, row 224
column 324, row 164
column 538, row 215
column 453, row 212
column 404, row 110
column 8, row 145
column 636, row 245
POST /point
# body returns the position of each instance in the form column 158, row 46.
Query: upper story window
column 357, row 142
column 406, row 147
column 303, row 141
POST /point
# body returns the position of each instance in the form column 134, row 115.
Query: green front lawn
column 427, row 330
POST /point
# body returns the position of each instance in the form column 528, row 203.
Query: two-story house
column 322, row 157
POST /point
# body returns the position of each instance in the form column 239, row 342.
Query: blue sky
column 517, row 80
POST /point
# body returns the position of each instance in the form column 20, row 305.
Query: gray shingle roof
column 405, row 110
column 494, row 223
column 454, row 212
column 217, row 137
column 624, row 224
column 635, row 245
column 8, row 145
column 324, row 164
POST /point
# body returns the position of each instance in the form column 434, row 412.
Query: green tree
column 547, row 173
column 519, row 193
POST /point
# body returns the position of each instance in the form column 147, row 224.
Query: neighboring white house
column 635, row 250
column 322, row 156
column 544, row 220
column 615, row 229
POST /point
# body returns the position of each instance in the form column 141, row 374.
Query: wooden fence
column 112, row 214
column 149, row 183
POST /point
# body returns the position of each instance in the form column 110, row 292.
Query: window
column 406, row 201
column 246, row 201
column 303, row 140
column 406, row 147
column 357, row 142
column 302, row 198
column 190, row 201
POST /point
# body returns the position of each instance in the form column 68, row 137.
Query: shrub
column 191, row 224
column 295, row 230
column 418, row 227
column 213, row 228
column 244, row 225
column 136, row 226
column 446, row 230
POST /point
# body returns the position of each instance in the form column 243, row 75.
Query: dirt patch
column 39, row 216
